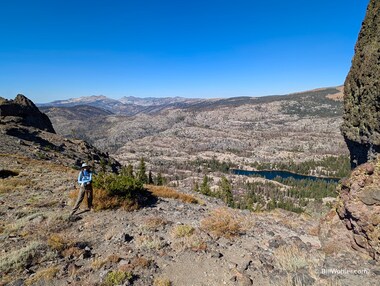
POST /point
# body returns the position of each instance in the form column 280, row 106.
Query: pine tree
column 150, row 178
column 159, row 179
column 128, row 171
column 141, row 173
column 225, row 190
column 205, row 187
column 196, row 187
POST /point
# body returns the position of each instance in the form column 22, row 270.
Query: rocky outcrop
column 361, row 127
column 359, row 207
column 26, row 132
column 23, row 111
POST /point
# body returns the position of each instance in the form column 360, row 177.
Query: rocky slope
column 170, row 242
column 361, row 127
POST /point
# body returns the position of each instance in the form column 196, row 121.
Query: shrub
column 152, row 223
column 115, row 190
column 182, row 231
column 122, row 185
column 57, row 242
column 19, row 258
column 150, row 242
column 165, row 192
column 116, row 278
column 45, row 275
column 223, row 223
column 136, row 263
column 290, row 258
column 160, row 281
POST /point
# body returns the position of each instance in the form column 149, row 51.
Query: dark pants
column 84, row 190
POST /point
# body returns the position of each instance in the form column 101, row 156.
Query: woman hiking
column 85, row 182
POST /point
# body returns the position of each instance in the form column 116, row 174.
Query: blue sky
column 57, row 49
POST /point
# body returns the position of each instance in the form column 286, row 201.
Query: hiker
column 85, row 182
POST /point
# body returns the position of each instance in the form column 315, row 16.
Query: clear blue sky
column 57, row 49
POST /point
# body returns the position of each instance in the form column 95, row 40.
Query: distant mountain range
column 131, row 105
column 126, row 105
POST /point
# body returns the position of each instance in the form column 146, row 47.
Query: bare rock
column 361, row 211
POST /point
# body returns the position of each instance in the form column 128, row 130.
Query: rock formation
column 361, row 127
column 27, row 132
column 22, row 110
column 359, row 207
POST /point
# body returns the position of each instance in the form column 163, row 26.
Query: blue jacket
column 84, row 177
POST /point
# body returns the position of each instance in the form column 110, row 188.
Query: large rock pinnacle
column 24, row 111
column 361, row 126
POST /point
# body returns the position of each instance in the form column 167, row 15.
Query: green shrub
column 120, row 185
column 116, row 278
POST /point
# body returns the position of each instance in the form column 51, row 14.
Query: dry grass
column 165, row 192
column 63, row 245
column 57, row 242
column 137, row 263
column 152, row 223
column 289, row 281
column 162, row 281
column 182, row 231
column 331, row 247
column 17, row 259
column 290, row 258
column 223, row 222
column 98, row 263
column 44, row 276
column 71, row 251
column 25, row 222
column 193, row 242
column 148, row 242
column 102, row 201
column 15, row 184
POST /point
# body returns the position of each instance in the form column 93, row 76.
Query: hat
column 84, row 165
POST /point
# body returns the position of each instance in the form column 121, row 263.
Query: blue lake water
column 270, row 175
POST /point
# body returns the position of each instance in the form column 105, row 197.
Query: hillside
column 177, row 237
column 296, row 127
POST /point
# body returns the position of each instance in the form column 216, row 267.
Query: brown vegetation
column 165, row 192
column 223, row 222
column 103, row 201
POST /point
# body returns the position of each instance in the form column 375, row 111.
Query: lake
column 270, row 175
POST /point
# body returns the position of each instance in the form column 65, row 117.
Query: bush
column 116, row 278
column 182, row 231
column 223, row 223
column 160, row 281
column 117, row 190
column 165, row 192
column 120, row 185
